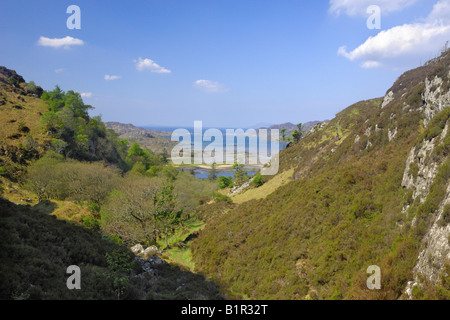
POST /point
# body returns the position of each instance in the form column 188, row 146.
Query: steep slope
column 290, row 127
column 369, row 188
column 21, row 137
column 33, row 121
column 36, row 249
column 38, row 243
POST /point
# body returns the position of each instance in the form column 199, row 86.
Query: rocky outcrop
column 239, row 189
column 420, row 172
column 150, row 251
column 388, row 99
column 149, row 265
column 436, row 251
column 139, row 251
column 435, row 98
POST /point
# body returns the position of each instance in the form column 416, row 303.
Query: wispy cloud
column 370, row 64
column 59, row 70
column 210, row 86
column 111, row 78
column 420, row 39
column 150, row 65
column 359, row 7
column 65, row 43
column 86, row 94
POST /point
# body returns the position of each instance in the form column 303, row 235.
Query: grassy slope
column 266, row 189
column 316, row 236
column 36, row 248
column 18, row 108
column 32, row 264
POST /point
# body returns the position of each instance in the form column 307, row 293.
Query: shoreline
column 219, row 168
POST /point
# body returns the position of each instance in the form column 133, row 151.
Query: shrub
column 258, row 180
column 91, row 223
column 14, row 82
column 445, row 218
column 414, row 169
column 218, row 197
column 225, row 182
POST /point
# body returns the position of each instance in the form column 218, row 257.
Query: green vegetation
column 436, row 125
column 336, row 207
column 120, row 266
column 213, row 173
column 445, row 218
column 240, row 175
column 78, row 135
column 36, row 250
column 314, row 236
column 80, row 172
column 225, row 182
column 218, row 197
column 258, row 180
column 298, row 133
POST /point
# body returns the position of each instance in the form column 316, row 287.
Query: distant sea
column 223, row 130
column 203, row 173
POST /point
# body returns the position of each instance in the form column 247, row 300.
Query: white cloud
column 59, row 70
column 65, row 43
column 420, row 40
column 397, row 41
column 210, row 86
column 111, row 78
column 440, row 12
column 359, row 7
column 370, row 64
column 86, row 94
column 148, row 64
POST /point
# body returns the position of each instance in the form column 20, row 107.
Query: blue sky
column 228, row 63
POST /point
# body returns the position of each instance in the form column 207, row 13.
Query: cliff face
column 370, row 187
column 422, row 167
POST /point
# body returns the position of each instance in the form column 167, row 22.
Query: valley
column 369, row 187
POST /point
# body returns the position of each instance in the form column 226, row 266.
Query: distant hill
column 290, row 127
column 153, row 140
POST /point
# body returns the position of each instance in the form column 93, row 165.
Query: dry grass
column 15, row 112
column 266, row 189
column 63, row 210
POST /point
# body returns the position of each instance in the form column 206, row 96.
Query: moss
column 415, row 97
column 445, row 219
column 414, row 169
column 409, row 197
column 436, row 125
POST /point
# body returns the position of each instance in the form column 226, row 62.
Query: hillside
column 370, row 187
column 62, row 173
column 36, row 249
column 156, row 141
column 290, row 127
column 21, row 136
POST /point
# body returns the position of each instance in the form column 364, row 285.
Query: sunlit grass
column 266, row 189
column 179, row 252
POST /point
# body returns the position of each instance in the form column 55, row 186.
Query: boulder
column 137, row 249
column 150, row 251
column 156, row 261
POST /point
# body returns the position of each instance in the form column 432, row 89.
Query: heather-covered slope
column 36, row 249
column 370, row 187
